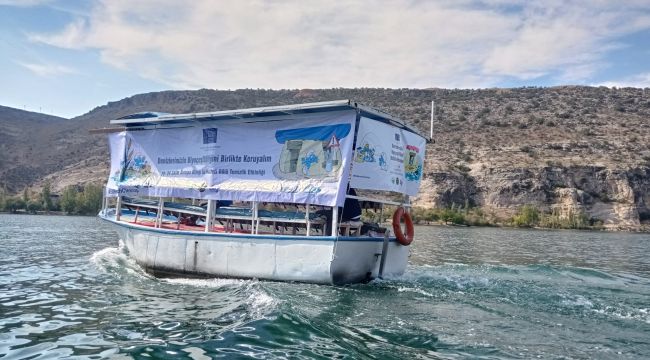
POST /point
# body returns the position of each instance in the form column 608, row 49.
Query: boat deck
column 229, row 219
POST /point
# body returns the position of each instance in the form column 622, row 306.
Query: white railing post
column 159, row 218
column 118, row 208
column 335, row 221
column 307, row 218
column 254, row 217
column 104, row 200
column 209, row 215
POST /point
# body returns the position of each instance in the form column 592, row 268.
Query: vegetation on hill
column 86, row 200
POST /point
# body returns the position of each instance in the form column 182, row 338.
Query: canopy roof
column 147, row 119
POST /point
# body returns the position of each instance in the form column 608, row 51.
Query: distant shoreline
column 642, row 229
column 53, row 213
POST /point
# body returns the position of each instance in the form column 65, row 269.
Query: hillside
column 566, row 149
column 24, row 153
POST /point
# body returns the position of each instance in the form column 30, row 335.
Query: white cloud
column 637, row 81
column 73, row 36
column 302, row 44
column 47, row 70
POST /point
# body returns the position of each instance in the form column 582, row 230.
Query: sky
column 66, row 57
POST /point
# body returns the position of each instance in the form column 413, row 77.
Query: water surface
column 68, row 290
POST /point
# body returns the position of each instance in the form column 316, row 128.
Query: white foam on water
column 415, row 290
column 258, row 301
column 642, row 314
column 261, row 303
column 209, row 283
column 110, row 259
column 578, row 301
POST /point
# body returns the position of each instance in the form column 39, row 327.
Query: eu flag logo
column 210, row 136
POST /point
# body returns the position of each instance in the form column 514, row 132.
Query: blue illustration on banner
column 134, row 165
column 310, row 153
column 382, row 162
column 365, row 154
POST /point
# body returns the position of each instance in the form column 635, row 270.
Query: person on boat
column 351, row 208
column 351, row 211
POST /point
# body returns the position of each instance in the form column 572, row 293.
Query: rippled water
column 68, row 290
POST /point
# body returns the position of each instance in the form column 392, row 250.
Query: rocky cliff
column 617, row 199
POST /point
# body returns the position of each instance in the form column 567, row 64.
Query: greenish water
column 67, row 290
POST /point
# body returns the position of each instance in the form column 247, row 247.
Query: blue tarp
column 321, row 133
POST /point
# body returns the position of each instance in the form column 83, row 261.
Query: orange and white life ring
column 398, row 215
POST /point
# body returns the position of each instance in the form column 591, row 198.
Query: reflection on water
column 67, row 289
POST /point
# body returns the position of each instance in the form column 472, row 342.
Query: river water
column 68, row 290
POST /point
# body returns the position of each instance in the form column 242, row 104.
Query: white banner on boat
column 387, row 158
column 302, row 159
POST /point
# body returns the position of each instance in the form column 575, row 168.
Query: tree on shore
column 25, row 196
column 12, row 204
column 33, row 206
column 46, row 199
column 88, row 201
column 69, row 199
column 527, row 216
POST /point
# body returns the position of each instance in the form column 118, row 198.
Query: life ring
column 398, row 215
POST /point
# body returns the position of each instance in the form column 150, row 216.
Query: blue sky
column 67, row 57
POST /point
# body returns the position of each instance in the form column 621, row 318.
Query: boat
column 265, row 193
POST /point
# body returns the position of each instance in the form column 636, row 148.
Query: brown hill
column 570, row 148
column 24, row 154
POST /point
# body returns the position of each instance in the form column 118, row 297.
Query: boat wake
column 116, row 261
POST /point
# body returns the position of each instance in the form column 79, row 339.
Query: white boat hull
column 313, row 259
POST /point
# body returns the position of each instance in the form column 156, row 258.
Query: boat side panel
column 358, row 261
column 169, row 253
column 209, row 257
column 292, row 260
column 139, row 244
column 396, row 260
column 152, row 249
column 251, row 258
column 303, row 261
column 354, row 261
column 307, row 260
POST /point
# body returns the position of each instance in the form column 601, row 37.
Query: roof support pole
column 118, row 208
column 209, row 215
column 335, row 220
column 307, row 218
column 159, row 218
column 104, row 200
column 254, row 220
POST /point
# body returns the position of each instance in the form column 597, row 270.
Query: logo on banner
column 412, row 163
column 210, row 135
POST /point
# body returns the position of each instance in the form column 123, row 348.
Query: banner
column 303, row 159
column 387, row 158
